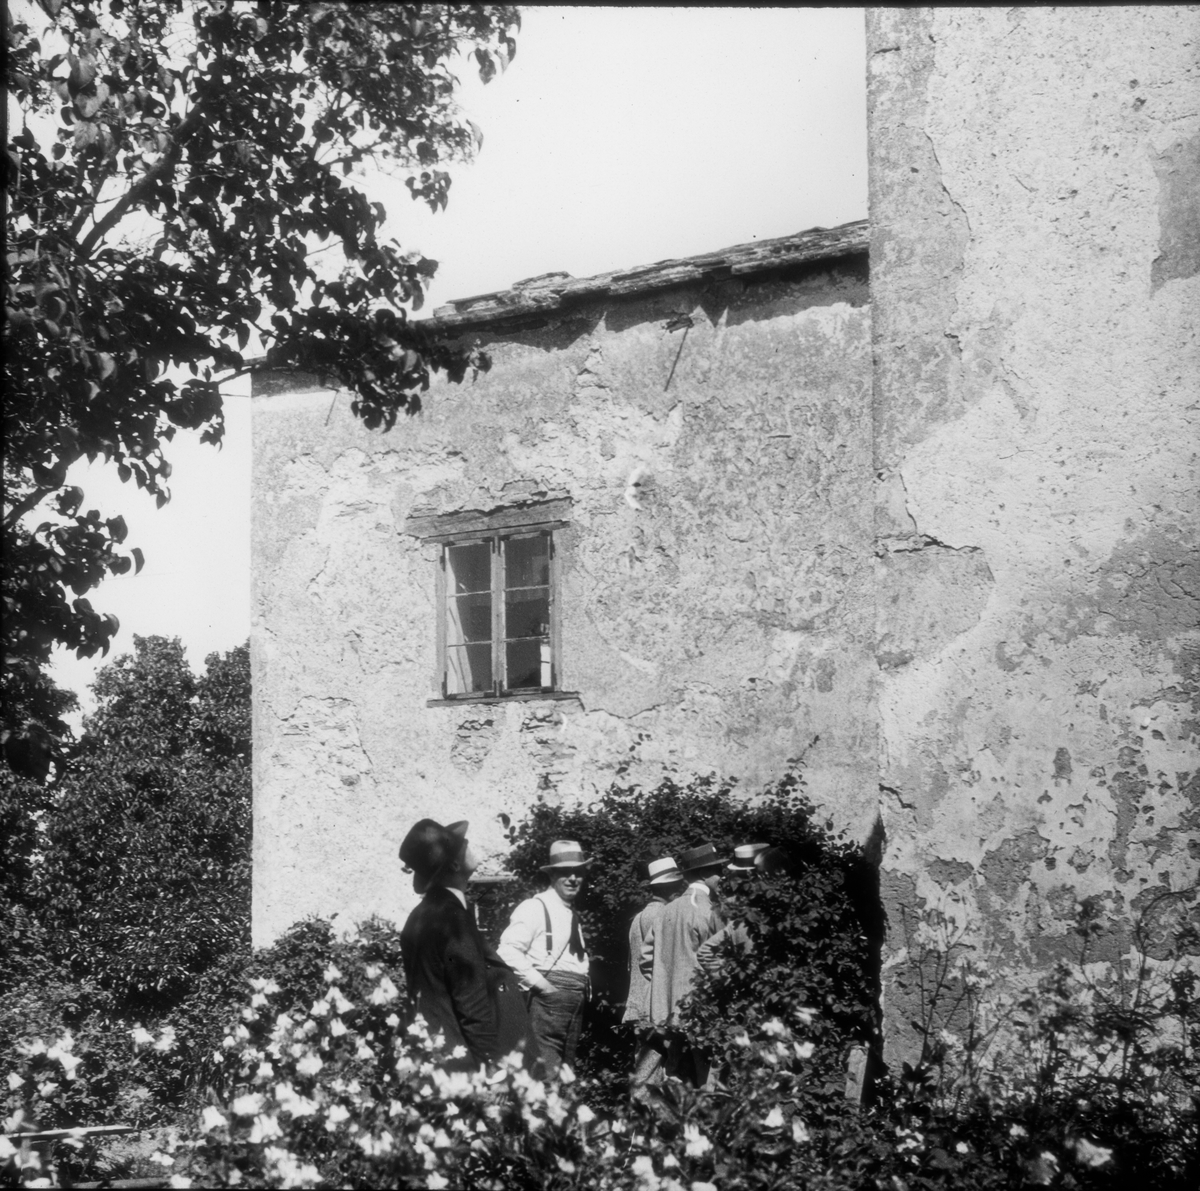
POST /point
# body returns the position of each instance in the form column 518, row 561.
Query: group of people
column 529, row 993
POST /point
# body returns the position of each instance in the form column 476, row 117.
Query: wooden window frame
column 495, row 536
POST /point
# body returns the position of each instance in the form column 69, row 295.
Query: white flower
column 963, row 1148
column 585, row 1114
column 564, row 1165
column 140, row 1036
column 799, row 1131
column 319, row 1008
column 702, row 1186
column 436, row 1181
column 804, row 1015
column 7, row 1149
column 804, row 1050
column 212, row 1118
column 371, row 971
column 391, row 1020
column 335, row 1116
column 1089, row 1154
column 364, row 1052
column 162, row 1159
column 697, row 1144
column 331, row 974
column 265, row 1071
column 774, row 1028
column 1018, row 1131
column 565, row 1074
column 773, row 1119
column 339, row 1001
column 257, row 1001
column 310, row 1064
column 15, row 1081
column 62, row 1054
column 265, row 1128
column 643, row 1165
column 741, row 1039
column 166, row 1040
column 385, row 992
column 337, row 1027
column 247, row 1105
column 179, row 1180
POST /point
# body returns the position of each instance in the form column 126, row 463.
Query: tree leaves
column 174, row 168
column 146, row 851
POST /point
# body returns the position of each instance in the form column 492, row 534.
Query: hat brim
column 672, row 878
column 562, row 868
column 717, row 866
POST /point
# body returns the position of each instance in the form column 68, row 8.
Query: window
column 497, row 603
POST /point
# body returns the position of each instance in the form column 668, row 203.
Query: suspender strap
column 549, row 928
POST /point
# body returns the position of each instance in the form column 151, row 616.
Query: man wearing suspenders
column 544, row 945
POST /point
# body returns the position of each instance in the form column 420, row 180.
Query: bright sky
column 618, row 137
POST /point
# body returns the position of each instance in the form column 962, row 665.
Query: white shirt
column 523, row 944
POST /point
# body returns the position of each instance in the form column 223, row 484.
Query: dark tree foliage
column 814, row 925
column 175, row 169
column 144, row 879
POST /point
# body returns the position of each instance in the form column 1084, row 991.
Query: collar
column 553, row 893
column 457, row 894
column 700, row 886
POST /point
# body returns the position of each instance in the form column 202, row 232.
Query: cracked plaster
column 716, row 607
column 1033, row 299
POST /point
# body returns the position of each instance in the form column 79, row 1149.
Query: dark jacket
column 456, row 980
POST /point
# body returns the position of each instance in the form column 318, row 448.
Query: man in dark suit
column 456, row 981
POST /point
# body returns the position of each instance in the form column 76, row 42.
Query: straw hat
column 566, row 853
column 664, row 871
column 743, row 857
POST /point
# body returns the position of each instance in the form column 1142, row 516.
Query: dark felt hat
column 701, row 859
column 429, row 847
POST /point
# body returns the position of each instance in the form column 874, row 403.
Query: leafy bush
column 815, row 927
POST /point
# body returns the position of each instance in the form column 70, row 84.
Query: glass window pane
column 527, row 561
column 528, row 664
column 469, row 670
column 527, row 613
column 469, row 618
column 469, row 568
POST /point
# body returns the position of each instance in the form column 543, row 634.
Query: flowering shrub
column 823, row 911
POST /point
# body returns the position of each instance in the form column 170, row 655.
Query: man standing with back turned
column 544, row 945
column 665, row 882
column 670, row 956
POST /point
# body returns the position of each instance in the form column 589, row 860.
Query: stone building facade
column 693, row 442
column 1035, row 243
column 949, row 531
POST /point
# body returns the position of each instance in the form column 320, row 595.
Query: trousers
column 555, row 1020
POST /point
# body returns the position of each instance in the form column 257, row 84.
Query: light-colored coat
column 670, row 951
column 637, row 1003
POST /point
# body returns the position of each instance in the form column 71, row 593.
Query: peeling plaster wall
column 1035, row 243
column 717, row 571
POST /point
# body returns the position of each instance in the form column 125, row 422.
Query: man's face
column 468, row 862
column 567, row 883
column 713, row 880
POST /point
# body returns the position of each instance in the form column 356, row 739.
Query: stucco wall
column 718, row 616
column 1034, row 250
